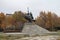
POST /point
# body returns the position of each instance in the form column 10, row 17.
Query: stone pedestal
column 32, row 29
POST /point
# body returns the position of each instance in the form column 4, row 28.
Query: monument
column 31, row 28
column 29, row 16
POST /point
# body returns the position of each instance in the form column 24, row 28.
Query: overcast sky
column 35, row 6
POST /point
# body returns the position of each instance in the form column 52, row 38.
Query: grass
column 13, row 37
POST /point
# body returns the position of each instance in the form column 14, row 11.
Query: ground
column 4, row 36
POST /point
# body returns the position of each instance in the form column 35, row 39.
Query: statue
column 29, row 17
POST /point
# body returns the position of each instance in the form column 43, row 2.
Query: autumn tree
column 10, row 20
column 41, row 20
column 19, row 19
column 48, row 20
column 18, row 16
column 2, row 21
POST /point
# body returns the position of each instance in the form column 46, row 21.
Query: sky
column 35, row 6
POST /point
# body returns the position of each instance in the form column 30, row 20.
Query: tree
column 48, row 20
column 18, row 16
column 19, row 19
column 41, row 20
column 2, row 19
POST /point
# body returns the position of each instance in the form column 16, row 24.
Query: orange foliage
column 48, row 20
